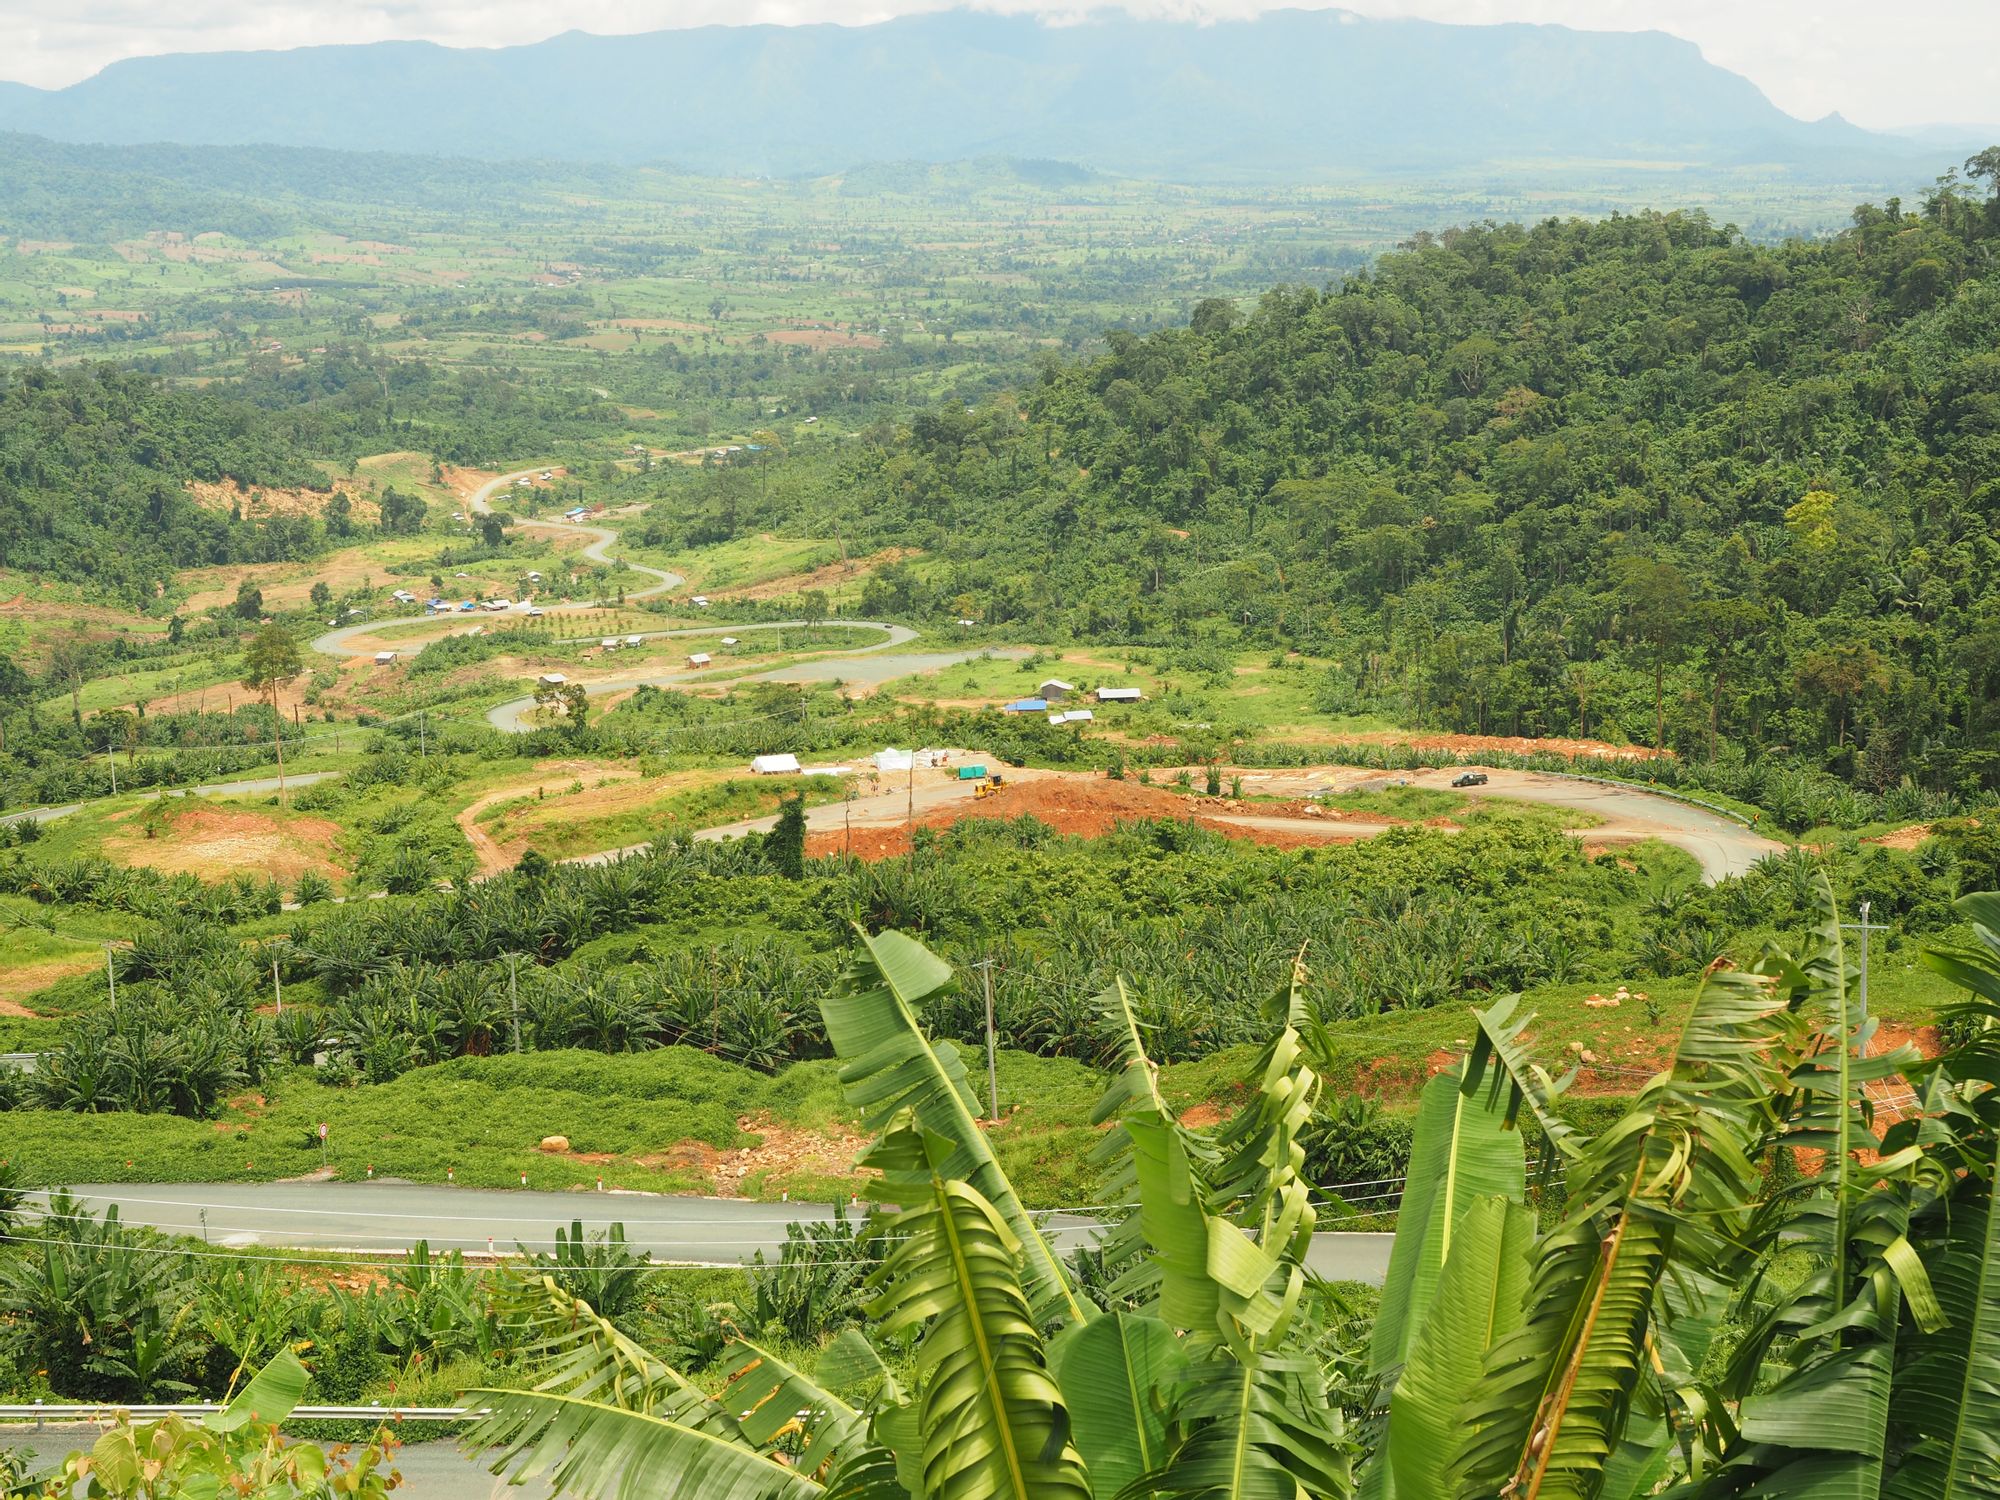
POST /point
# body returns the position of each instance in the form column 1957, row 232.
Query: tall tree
column 1656, row 604
column 270, row 663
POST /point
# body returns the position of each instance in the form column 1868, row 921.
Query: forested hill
column 95, row 462
column 1512, row 473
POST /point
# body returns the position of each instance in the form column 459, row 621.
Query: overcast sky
column 1879, row 62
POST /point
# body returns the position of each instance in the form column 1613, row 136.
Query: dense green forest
column 95, row 461
column 1637, row 478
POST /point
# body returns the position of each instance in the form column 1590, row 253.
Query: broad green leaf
column 850, row 1362
column 1672, row 1181
column 771, row 1400
column 269, row 1397
column 1463, row 1151
column 1480, row 1296
column 1517, row 1081
column 1114, row 1372
column 580, row 1354
column 992, row 1420
column 888, row 1065
column 599, row 1452
column 1946, row 1401
column 1256, row 1428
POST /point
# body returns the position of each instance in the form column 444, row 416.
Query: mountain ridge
column 1287, row 93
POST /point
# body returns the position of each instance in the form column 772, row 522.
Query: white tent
column 893, row 759
column 702, row 659
column 775, row 765
column 1118, row 695
column 1055, row 688
column 553, row 679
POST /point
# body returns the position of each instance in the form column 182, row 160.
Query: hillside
column 1291, row 93
column 1636, row 477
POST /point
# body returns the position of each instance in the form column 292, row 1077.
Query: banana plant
column 1210, row 1391
column 1827, row 1344
column 1859, row 1299
column 237, row 1451
column 1669, row 1184
column 889, row 1065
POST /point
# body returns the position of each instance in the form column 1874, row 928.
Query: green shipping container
column 972, row 773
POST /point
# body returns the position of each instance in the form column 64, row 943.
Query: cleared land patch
column 214, row 842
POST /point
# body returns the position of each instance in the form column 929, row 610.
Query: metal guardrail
column 40, row 1413
column 1653, row 789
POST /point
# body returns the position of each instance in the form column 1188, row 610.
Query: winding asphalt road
column 511, row 718
column 335, row 642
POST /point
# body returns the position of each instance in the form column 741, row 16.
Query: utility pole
column 277, row 989
column 111, row 760
column 111, row 979
column 985, row 966
column 514, row 996
column 1864, row 927
column 910, row 810
column 423, row 736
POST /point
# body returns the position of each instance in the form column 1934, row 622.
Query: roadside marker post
column 985, row 967
column 322, row 1143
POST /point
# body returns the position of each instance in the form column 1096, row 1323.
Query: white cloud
column 1912, row 62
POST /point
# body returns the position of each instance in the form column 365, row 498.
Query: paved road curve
column 391, row 1216
column 512, row 718
column 1721, row 846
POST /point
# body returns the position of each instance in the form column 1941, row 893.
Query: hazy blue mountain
column 1319, row 93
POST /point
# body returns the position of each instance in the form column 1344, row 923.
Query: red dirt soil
column 1070, row 805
